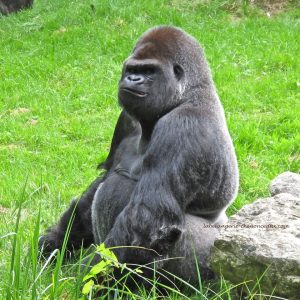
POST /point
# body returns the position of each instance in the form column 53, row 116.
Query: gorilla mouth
column 135, row 92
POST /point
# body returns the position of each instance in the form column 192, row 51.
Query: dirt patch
column 4, row 210
column 267, row 7
column 61, row 30
column 271, row 6
column 238, row 8
column 10, row 147
column 295, row 157
column 32, row 122
column 19, row 111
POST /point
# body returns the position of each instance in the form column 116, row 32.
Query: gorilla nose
column 135, row 79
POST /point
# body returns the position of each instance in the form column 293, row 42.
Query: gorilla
column 171, row 168
column 10, row 6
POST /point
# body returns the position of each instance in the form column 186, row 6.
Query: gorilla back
column 171, row 158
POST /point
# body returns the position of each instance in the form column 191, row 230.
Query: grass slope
column 59, row 68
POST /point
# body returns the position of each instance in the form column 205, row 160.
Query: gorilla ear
column 178, row 71
column 165, row 238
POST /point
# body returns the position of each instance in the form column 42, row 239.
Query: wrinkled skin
column 171, row 167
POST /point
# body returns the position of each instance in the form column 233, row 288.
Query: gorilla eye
column 178, row 71
column 149, row 71
column 130, row 70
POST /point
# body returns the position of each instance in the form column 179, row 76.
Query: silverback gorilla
column 171, row 168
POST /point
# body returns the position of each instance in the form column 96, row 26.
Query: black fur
column 171, row 167
column 10, row 6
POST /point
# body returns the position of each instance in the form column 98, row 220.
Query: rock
column 261, row 243
column 286, row 182
column 10, row 6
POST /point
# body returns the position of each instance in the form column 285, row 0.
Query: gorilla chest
column 115, row 192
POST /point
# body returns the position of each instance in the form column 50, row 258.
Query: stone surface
column 286, row 182
column 10, row 6
column 262, row 242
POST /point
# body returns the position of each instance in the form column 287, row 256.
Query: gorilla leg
column 192, row 251
column 189, row 255
column 81, row 233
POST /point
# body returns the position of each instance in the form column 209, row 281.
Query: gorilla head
column 162, row 69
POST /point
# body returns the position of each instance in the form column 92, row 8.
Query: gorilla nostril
column 135, row 78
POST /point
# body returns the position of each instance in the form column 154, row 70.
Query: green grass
column 62, row 60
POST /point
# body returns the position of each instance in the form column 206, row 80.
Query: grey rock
column 261, row 243
column 286, row 182
column 10, row 6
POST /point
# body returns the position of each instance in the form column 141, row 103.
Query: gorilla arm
column 81, row 233
column 187, row 162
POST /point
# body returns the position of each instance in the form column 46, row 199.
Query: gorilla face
column 149, row 87
column 165, row 68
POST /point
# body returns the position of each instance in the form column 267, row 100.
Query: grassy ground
column 59, row 67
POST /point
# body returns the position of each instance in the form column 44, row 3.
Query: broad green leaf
column 87, row 287
column 99, row 268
